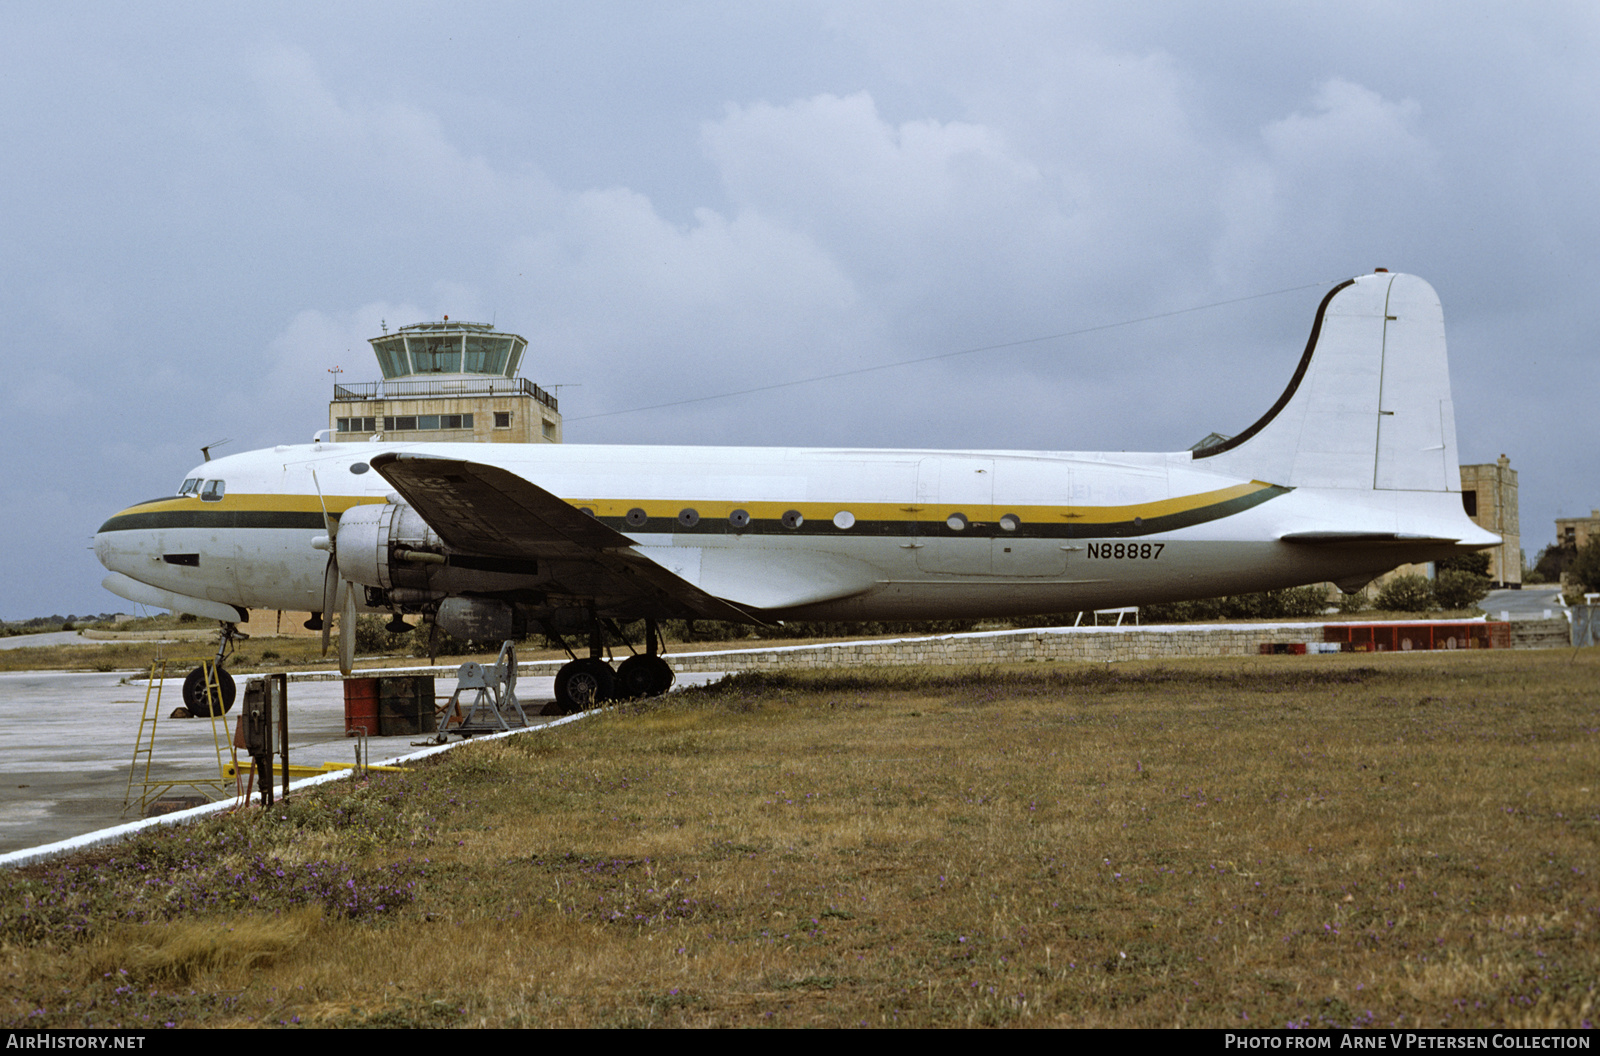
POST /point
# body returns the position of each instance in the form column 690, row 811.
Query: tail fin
column 1369, row 405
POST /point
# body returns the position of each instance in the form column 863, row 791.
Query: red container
column 361, row 706
column 1405, row 637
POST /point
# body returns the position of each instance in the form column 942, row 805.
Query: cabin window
column 213, row 490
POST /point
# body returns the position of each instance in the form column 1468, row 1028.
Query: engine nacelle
column 392, row 549
column 390, row 546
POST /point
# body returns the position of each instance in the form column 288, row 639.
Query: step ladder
column 148, row 789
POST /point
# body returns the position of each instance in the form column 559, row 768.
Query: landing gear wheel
column 194, row 692
column 582, row 684
column 643, row 676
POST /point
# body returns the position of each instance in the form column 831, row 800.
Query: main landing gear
column 589, row 681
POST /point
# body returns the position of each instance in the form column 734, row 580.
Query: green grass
column 1338, row 840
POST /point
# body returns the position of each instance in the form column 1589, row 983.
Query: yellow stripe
column 761, row 511
column 888, row 511
column 246, row 501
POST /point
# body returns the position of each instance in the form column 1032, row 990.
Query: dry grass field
column 1351, row 840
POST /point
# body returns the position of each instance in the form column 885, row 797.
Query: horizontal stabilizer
column 1364, row 538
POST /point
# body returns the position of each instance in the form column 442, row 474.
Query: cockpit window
column 190, row 487
column 212, row 492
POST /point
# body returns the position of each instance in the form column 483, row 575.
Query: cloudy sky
column 204, row 208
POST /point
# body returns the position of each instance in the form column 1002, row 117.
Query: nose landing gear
column 200, row 696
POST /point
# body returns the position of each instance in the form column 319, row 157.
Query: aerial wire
column 951, row 355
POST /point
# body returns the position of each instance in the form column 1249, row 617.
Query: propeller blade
column 347, row 629
column 330, row 599
column 327, row 519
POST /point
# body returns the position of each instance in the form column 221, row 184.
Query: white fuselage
column 826, row 534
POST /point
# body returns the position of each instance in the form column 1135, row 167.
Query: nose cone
column 133, row 540
column 120, row 541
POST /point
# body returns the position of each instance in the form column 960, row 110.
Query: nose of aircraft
column 123, row 547
column 151, row 566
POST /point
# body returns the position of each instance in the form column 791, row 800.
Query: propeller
column 347, row 629
column 338, row 594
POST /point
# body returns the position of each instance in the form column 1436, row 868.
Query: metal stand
column 496, row 692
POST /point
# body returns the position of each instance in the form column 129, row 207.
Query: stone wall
column 1084, row 644
column 1067, row 644
column 1554, row 633
column 998, row 647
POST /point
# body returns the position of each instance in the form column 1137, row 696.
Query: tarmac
column 1529, row 603
column 67, row 755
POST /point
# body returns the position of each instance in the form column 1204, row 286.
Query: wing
column 486, row 511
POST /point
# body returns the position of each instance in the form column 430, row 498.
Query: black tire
column 194, row 692
column 643, row 676
column 583, row 684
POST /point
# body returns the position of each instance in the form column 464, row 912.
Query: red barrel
column 361, row 706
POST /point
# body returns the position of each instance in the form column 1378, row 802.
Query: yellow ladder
column 144, row 744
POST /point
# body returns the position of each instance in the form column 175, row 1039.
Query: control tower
column 446, row 381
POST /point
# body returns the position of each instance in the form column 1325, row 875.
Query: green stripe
column 127, row 522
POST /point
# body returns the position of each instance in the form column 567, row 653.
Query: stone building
column 446, row 381
column 1577, row 531
column 1489, row 493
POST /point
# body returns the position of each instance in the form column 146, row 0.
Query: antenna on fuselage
column 206, row 450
